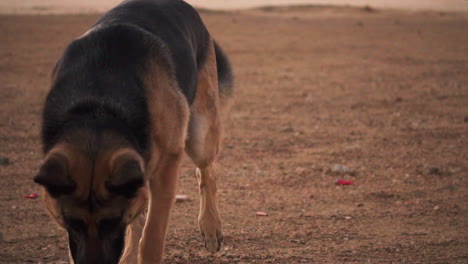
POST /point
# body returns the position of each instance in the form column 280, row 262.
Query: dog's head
column 93, row 199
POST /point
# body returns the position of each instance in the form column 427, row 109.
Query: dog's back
column 100, row 77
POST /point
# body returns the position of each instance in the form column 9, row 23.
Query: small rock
column 299, row 170
column 359, row 204
column 435, row 171
column 4, row 161
column 177, row 253
column 339, row 168
column 287, row 129
column 224, row 260
column 261, row 214
column 14, row 207
column 297, row 241
column 436, row 208
column 182, row 198
column 415, row 125
column 347, row 217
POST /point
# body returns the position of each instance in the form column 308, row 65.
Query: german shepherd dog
column 142, row 86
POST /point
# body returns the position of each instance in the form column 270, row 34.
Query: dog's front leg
column 163, row 184
column 132, row 240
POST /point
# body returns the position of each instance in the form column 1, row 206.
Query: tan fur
column 169, row 113
column 132, row 239
column 52, row 207
column 170, row 120
column 205, row 125
column 163, row 186
column 203, row 146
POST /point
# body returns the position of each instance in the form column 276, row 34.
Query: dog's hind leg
column 203, row 142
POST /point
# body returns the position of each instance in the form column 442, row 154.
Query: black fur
column 103, row 246
column 225, row 78
column 177, row 25
column 98, row 82
column 98, row 87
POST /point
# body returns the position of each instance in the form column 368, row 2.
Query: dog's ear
column 55, row 177
column 127, row 177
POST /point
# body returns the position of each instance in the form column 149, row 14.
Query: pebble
column 177, row 253
column 434, row 171
column 262, row 214
column 340, row 168
column 4, row 161
column 436, row 208
column 182, row 198
column 299, row 170
column 297, row 241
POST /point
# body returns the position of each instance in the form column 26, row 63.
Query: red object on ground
column 33, row 195
column 343, row 182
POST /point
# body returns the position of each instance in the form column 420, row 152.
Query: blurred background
column 80, row 6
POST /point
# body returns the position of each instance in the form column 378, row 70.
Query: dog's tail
column 225, row 78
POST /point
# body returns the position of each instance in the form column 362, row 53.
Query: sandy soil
column 382, row 93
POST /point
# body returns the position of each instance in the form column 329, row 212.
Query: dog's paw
column 213, row 237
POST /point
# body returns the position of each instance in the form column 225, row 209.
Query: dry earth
column 383, row 93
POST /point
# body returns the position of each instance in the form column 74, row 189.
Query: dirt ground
column 384, row 94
